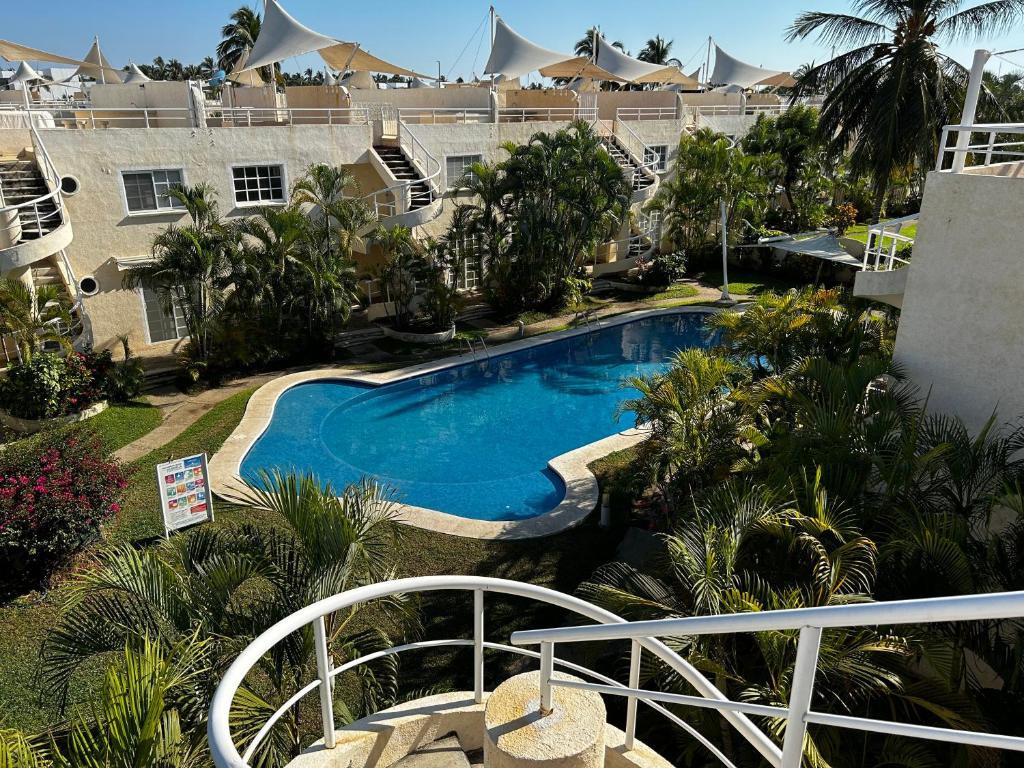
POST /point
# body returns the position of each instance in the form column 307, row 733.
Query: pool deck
column 581, row 488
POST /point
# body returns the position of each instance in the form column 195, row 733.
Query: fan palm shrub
column 226, row 584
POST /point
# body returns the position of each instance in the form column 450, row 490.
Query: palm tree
column 397, row 271
column 239, row 36
column 656, row 51
column 585, row 45
column 32, row 316
column 889, row 94
column 192, row 266
column 225, row 585
column 20, row 751
column 337, row 217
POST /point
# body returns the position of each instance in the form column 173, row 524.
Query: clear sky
column 418, row 34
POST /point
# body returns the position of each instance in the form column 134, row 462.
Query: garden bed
column 419, row 337
column 31, row 426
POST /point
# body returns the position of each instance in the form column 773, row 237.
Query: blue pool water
column 474, row 440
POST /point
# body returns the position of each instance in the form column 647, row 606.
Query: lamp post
column 438, row 73
column 726, row 298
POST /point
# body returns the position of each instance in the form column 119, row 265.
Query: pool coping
column 582, row 494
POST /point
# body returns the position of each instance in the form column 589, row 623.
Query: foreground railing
column 999, row 144
column 226, row 755
column 432, row 116
column 810, row 622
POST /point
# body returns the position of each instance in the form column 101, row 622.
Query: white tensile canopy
column 242, row 75
column 731, row 71
column 15, row 51
column 513, row 56
column 632, row 70
column 136, row 76
column 282, row 37
column 96, row 65
column 362, row 80
column 329, row 78
column 26, row 74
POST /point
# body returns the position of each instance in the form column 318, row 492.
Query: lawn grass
column 677, row 291
column 748, row 283
column 124, row 423
column 561, row 562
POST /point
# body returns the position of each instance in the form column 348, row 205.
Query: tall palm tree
column 238, row 36
column 889, row 94
column 585, row 45
column 656, row 51
column 337, row 217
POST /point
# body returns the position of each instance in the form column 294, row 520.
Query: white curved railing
column 397, row 198
column 11, row 216
column 883, row 242
column 640, row 149
column 810, row 622
column 226, row 755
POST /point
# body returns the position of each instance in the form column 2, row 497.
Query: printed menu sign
column 184, row 492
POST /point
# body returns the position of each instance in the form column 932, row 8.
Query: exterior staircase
column 640, row 178
column 21, row 181
column 403, row 170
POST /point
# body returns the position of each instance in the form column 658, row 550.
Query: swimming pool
column 473, row 440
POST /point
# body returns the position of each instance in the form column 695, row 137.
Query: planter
column 31, row 426
column 412, row 337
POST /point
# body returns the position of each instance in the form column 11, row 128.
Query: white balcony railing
column 432, row 116
column 645, row 113
column 810, row 622
column 884, row 243
column 226, row 753
column 999, row 143
column 546, row 114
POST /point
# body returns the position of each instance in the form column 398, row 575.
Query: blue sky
column 417, row 34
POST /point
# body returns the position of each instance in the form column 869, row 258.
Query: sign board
column 185, row 496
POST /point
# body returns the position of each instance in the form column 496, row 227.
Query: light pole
column 726, row 298
column 438, row 73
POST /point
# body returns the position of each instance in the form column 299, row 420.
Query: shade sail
column 282, row 37
column 329, row 78
column 362, row 80
column 96, row 65
column 136, row 76
column 244, row 76
column 781, row 80
column 631, row 70
column 731, row 71
column 15, row 51
column 350, row 56
column 513, row 56
column 26, row 74
column 579, row 67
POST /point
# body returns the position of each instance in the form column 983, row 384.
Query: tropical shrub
column 56, row 490
column 125, row 378
column 841, row 217
column 664, row 268
column 48, row 385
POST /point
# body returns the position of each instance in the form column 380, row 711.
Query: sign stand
column 185, row 496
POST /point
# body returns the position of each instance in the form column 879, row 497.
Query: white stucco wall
column 960, row 330
column 104, row 231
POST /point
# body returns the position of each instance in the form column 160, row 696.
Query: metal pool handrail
column 225, row 753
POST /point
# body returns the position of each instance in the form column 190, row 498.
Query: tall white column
column 963, row 138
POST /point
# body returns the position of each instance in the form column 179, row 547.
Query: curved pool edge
column 581, row 488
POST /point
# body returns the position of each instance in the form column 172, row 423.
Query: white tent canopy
column 282, row 37
column 96, row 65
column 578, row 68
column 136, row 76
column 632, row 70
column 26, row 74
column 15, row 51
column 513, row 56
column 329, row 78
column 360, row 79
column 731, row 71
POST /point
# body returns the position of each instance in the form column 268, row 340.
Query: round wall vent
column 69, row 185
column 88, row 285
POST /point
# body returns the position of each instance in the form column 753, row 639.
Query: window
column 657, row 154
column 150, row 190
column 456, row 167
column 162, row 325
column 258, row 184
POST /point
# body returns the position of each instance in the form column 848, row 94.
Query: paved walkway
column 180, row 411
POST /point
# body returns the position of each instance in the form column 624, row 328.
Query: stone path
column 180, row 411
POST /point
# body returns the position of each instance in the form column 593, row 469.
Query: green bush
column 664, row 268
column 33, row 390
column 124, row 380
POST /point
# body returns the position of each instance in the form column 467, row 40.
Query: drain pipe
column 963, row 137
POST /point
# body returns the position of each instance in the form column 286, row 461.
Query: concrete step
column 443, row 753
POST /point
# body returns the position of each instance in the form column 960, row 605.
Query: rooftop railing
column 447, row 116
column 810, row 622
column 645, row 113
column 546, row 114
column 1000, row 143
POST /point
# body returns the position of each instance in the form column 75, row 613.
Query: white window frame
column 449, row 182
column 173, row 211
column 145, row 321
column 259, row 164
column 662, row 157
column 461, row 279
